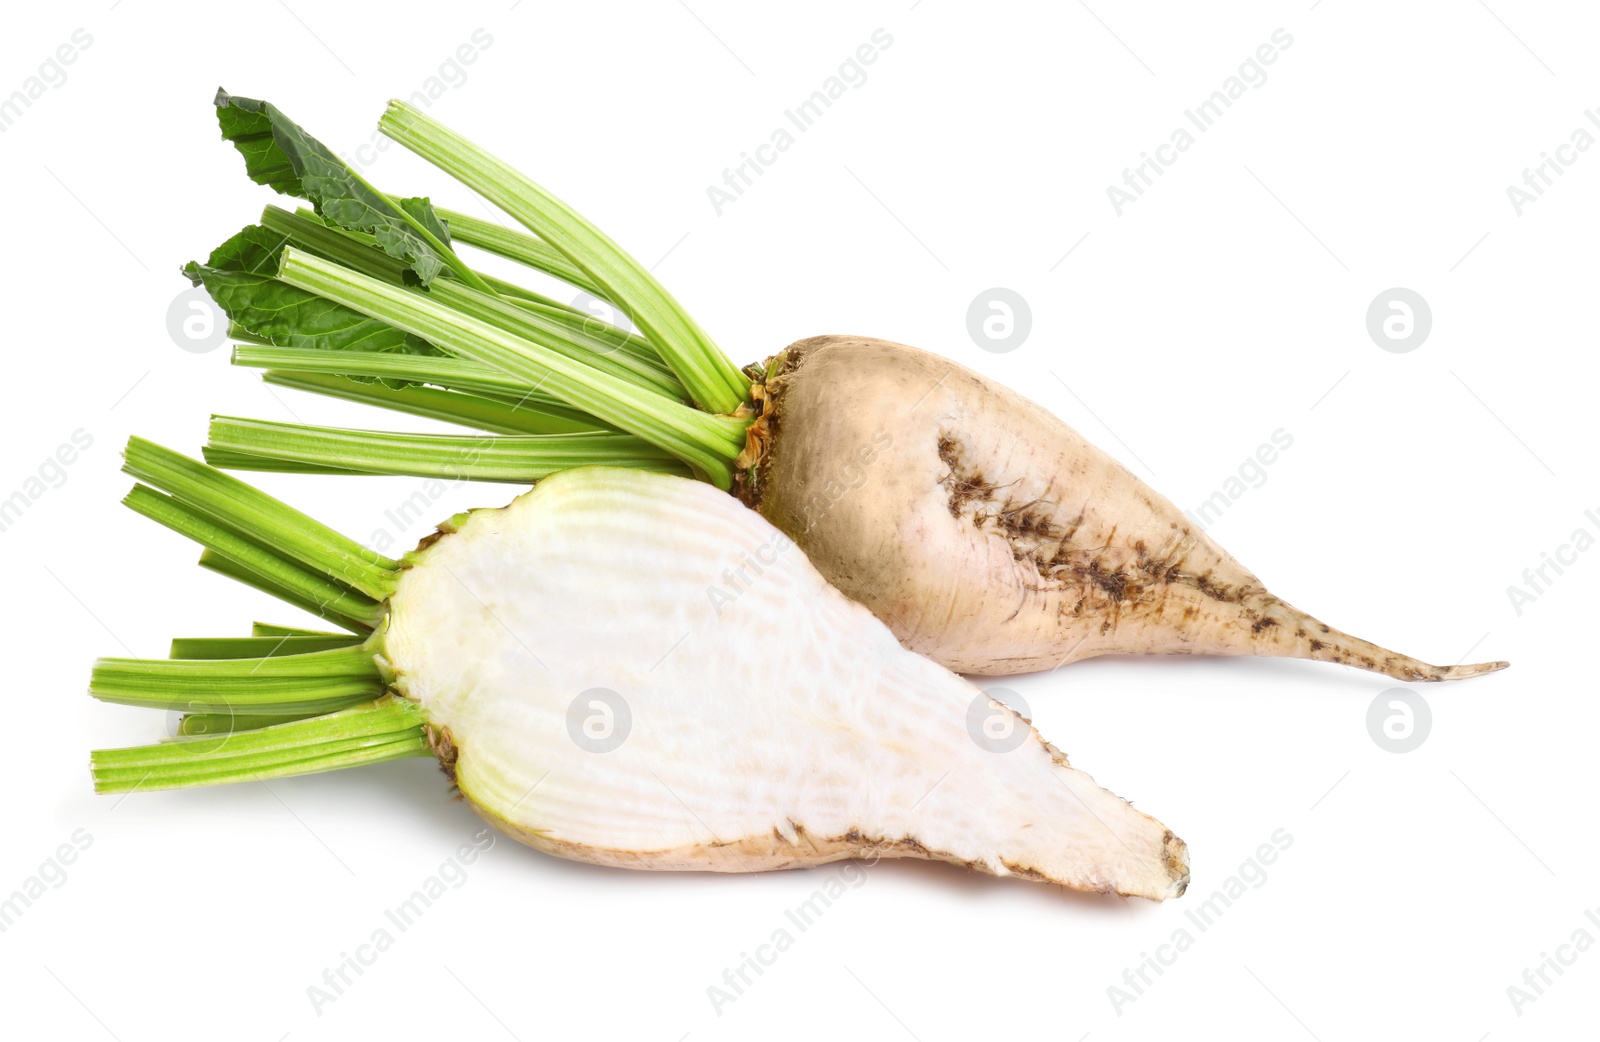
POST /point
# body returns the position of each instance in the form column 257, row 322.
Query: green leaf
column 253, row 251
column 421, row 211
column 249, row 127
column 279, row 153
column 239, row 275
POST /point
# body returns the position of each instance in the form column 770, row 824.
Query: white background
column 1226, row 303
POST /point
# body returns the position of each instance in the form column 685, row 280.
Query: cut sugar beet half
column 579, row 666
column 985, row 532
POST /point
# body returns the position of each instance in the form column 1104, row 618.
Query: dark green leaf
column 421, row 211
column 239, row 277
column 250, row 129
column 279, row 153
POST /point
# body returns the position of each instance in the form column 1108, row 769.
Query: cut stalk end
column 386, row 728
column 284, row 685
column 239, row 521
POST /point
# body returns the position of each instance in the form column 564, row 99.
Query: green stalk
column 279, row 698
column 452, row 262
column 469, row 410
column 336, row 244
column 498, row 285
column 222, row 459
column 298, row 228
column 257, row 647
column 521, row 296
column 321, row 681
column 345, row 661
column 576, row 343
column 709, row 444
column 267, row 629
column 619, row 339
column 513, row 458
column 456, row 374
column 282, row 702
column 563, row 329
column 714, row 382
column 449, row 373
column 520, row 247
column 227, row 723
column 266, row 521
column 383, row 729
column 304, row 585
column 325, row 607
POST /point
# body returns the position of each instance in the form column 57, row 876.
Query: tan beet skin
column 995, row 539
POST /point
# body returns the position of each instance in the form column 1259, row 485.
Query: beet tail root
column 993, row 538
column 1291, row 633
